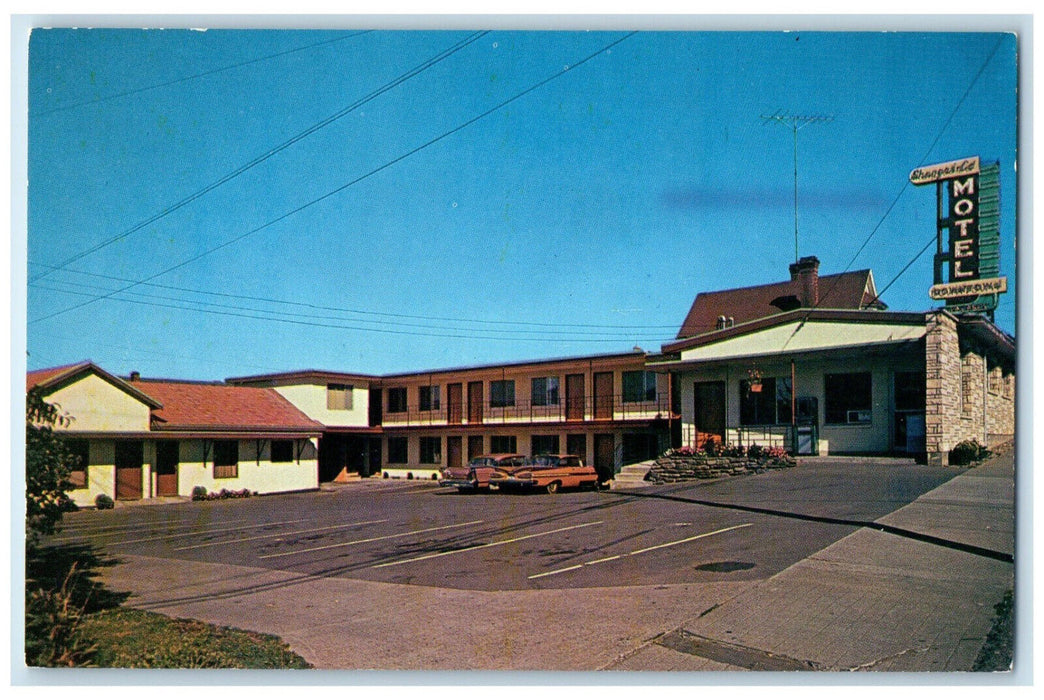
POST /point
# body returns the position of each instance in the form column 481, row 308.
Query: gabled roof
column 50, row 379
column 220, row 407
column 847, row 290
column 303, row 376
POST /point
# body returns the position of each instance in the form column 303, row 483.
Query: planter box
column 676, row 467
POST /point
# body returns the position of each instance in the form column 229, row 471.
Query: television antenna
column 795, row 122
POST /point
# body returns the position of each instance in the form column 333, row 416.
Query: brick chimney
column 806, row 272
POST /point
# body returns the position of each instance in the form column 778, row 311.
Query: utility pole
column 795, row 122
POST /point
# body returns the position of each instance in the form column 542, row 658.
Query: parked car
column 475, row 475
column 548, row 472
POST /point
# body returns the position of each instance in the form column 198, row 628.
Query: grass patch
column 72, row 620
column 128, row 638
column 999, row 649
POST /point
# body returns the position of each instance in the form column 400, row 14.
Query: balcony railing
column 591, row 408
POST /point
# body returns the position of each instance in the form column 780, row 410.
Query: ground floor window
column 226, row 459
column 848, row 398
column 766, row 403
column 503, row 444
column 639, row 447
column 545, row 445
column 80, row 451
column 282, row 450
column 577, row 445
column 398, row 450
column 431, row 450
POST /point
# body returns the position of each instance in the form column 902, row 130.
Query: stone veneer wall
column 943, row 391
column 967, row 397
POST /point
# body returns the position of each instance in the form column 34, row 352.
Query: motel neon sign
column 968, row 208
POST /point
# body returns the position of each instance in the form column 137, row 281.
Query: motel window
column 502, row 393
column 397, row 400
column 282, row 450
column 545, row 391
column 545, row 445
column 769, row 406
column 398, row 450
column 910, row 392
column 429, row 398
column 503, row 444
column 848, row 397
column 639, row 386
column 79, row 450
column 226, row 459
column 431, row 450
column 339, row 397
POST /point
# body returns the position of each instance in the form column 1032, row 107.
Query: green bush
column 103, row 502
column 967, row 452
column 53, row 627
column 199, row 493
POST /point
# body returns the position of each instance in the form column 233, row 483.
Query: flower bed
column 716, row 461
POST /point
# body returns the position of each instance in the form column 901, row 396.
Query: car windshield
column 545, row 461
column 482, row 462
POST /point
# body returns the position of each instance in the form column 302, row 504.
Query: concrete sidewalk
column 871, row 601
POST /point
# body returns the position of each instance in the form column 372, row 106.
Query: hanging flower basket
column 754, row 380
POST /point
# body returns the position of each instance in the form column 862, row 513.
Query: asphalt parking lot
column 834, row 565
column 416, row 533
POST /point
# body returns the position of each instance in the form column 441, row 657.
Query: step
column 632, row 476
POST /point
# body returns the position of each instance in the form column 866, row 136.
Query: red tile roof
column 848, row 290
column 194, row 406
column 43, row 377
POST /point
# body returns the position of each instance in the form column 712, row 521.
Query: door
column 603, row 395
column 129, row 458
column 475, row 402
column 454, row 450
column 605, row 456
column 574, row 397
column 709, row 412
column 167, row 468
column 455, row 403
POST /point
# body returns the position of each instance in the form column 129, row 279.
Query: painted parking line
column 369, row 539
column 484, row 546
column 638, row 551
column 78, row 531
column 278, row 534
column 191, row 530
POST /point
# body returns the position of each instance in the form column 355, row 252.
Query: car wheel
column 552, row 487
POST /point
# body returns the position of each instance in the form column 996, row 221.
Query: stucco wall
column 96, row 405
column 260, row 475
column 310, row 399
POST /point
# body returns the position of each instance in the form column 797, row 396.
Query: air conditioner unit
column 859, row 416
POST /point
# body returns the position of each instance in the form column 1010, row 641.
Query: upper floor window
column 430, row 399
column 545, row 391
column 339, row 397
column 639, row 386
column 849, row 398
column 397, row 400
column 502, row 393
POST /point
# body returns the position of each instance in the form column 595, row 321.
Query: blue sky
column 522, row 195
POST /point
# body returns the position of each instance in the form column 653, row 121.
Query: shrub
column 968, row 451
column 199, row 493
column 103, row 502
column 53, row 627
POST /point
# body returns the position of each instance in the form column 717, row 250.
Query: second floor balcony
column 573, row 410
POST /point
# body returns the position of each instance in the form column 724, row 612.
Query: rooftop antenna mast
column 795, row 122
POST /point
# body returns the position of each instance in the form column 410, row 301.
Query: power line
column 362, row 312
column 316, row 322
column 357, row 180
column 906, row 182
column 413, row 72
column 214, row 71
